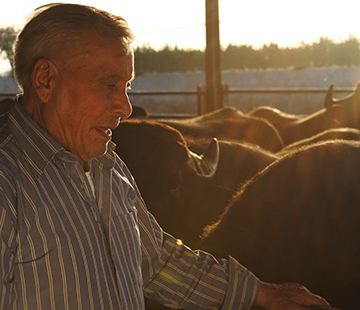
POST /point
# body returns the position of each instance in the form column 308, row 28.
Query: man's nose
column 122, row 107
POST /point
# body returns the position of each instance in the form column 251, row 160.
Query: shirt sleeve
column 180, row 277
column 7, row 253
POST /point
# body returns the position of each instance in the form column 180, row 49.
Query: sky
column 182, row 23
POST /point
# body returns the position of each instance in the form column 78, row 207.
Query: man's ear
column 43, row 78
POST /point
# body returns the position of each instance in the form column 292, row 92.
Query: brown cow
column 298, row 221
column 345, row 110
column 238, row 162
column 171, row 181
column 329, row 134
column 275, row 116
column 231, row 125
column 293, row 128
column 173, row 184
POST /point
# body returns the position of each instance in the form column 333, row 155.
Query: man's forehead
column 121, row 50
column 91, row 39
column 122, row 68
column 106, row 56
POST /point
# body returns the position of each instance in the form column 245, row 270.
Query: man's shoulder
column 5, row 131
column 121, row 167
column 10, row 150
column 6, row 135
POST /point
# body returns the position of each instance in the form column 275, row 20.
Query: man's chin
column 94, row 153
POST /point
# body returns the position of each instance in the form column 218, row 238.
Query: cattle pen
column 199, row 94
column 180, row 94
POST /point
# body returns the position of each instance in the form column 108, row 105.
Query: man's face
column 91, row 97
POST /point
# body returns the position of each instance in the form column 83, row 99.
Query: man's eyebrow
column 116, row 76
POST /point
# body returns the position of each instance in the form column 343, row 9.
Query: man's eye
column 111, row 86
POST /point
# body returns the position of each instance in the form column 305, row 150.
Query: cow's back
column 299, row 221
column 231, row 125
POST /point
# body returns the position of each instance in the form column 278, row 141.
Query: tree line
column 323, row 53
column 7, row 39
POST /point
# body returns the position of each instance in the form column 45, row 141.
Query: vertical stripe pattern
column 62, row 247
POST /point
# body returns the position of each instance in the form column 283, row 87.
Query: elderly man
column 75, row 232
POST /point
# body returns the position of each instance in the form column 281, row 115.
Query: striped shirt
column 62, row 247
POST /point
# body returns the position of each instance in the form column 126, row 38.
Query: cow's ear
column 43, row 78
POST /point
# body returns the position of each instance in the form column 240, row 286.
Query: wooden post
column 201, row 98
column 212, row 57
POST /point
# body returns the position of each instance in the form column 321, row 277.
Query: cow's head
column 172, row 180
column 346, row 110
column 158, row 157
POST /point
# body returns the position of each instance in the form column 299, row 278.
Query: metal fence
column 200, row 93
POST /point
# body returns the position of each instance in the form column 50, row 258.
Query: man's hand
column 288, row 296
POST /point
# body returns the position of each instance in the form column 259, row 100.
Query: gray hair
column 51, row 30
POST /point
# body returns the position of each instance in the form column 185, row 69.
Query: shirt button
column 82, row 185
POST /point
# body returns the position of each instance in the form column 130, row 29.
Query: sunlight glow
column 182, row 23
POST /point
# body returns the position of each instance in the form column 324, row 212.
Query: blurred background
column 264, row 45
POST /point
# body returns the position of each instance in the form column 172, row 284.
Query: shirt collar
column 109, row 158
column 37, row 144
column 39, row 147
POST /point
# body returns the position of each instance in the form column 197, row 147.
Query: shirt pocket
column 126, row 221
